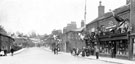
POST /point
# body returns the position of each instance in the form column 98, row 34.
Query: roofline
column 74, row 31
column 100, row 18
column 7, row 36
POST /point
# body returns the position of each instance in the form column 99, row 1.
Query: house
column 110, row 33
column 6, row 42
column 72, row 39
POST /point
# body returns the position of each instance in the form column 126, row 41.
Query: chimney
column 101, row 9
column 82, row 23
column 127, row 1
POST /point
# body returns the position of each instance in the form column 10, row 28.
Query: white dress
column 2, row 53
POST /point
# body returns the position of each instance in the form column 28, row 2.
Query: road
column 42, row 56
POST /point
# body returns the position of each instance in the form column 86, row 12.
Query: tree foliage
column 2, row 30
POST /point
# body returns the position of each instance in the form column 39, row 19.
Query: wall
column 91, row 27
column 5, row 42
column 73, row 40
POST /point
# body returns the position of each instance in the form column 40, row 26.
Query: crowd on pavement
column 95, row 56
column 86, row 51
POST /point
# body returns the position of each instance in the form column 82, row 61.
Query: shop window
column 105, row 47
column 122, row 48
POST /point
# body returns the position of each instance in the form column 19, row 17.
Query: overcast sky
column 42, row 16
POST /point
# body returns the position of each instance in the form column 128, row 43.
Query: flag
column 117, row 18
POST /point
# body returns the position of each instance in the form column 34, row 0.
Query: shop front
column 114, row 47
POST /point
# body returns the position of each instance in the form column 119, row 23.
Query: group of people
column 56, row 50
column 3, row 52
column 75, row 51
column 86, row 51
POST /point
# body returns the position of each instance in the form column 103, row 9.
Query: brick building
column 70, row 26
column 72, row 39
column 108, row 33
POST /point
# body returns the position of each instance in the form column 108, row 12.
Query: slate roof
column 78, row 29
column 109, row 14
column 6, row 36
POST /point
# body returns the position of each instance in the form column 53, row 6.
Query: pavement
column 17, row 52
column 113, row 60
column 105, row 59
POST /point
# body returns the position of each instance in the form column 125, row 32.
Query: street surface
column 43, row 56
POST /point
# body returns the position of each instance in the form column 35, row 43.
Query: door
column 68, row 46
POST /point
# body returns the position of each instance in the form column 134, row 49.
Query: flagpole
column 85, row 12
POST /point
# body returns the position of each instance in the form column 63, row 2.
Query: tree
column 33, row 34
column 19, row 34
column 43, row 37
column 2, row 30
column 56, row 32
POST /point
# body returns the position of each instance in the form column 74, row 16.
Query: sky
column 42, row 16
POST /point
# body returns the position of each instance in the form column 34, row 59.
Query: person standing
column 12, row 51
column 92, row 50
column 113, row 52
column 97, row 52
column 5, row 51
column 83, row 51
column 73, row 51
column 0, row 52
column 55, row 50
column 0, row 49
column 77, row 51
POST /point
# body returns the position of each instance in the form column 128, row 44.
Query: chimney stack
column 82, row 23
column 101, row 9
column 127, row 1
